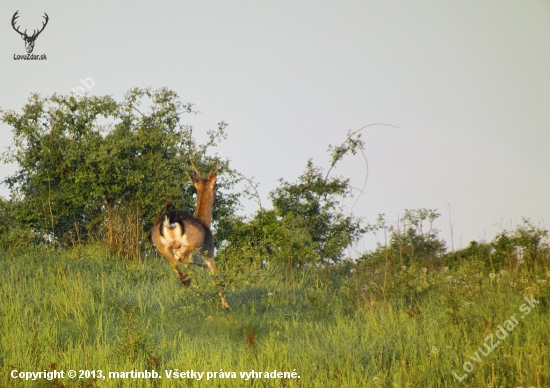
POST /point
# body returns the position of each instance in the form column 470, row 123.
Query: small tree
column 416, row 240
column 306, row 223
column 412, row 240
column 269, row 237
column 314, row 201
column 527, row 243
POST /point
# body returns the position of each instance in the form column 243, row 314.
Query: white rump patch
column 183, row 243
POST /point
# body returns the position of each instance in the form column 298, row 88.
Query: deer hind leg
column 167, row 252
column 184, row 258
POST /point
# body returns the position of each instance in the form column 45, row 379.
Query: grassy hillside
column 344, row 326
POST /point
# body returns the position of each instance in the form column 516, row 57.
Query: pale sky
column 466, row 82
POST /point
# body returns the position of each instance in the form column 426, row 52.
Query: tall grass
column 343, row 326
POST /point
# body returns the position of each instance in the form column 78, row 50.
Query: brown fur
column 177, row 235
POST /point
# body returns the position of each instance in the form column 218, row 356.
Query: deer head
column 199, row 181
column 206, row 194
column 29, row 40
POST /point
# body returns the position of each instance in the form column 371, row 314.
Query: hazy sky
column 466, row 82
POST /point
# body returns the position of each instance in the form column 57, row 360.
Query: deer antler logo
column 29, row 40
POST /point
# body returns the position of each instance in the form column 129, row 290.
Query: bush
column 85, row 162
column 12, row 233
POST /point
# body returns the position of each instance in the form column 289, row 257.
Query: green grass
column 344, row 326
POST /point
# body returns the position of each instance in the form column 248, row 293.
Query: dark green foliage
column 306, row 223
column 527, row 244
column 271, row 237
column 475, row 251
column 13, row 234
column 413, row 241
column 93, row 167
column 410, row 242
column 314, row 201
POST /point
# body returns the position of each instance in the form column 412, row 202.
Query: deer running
column 177, row 235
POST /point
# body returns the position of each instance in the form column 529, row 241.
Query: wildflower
column 403, row 268
column 449, row 278
column 375, row 379
column 541, row 281
column 424, row 270
column 434, row 350
column 503, row 272
column 445, row 269
column 512, row 284
column 492, row 275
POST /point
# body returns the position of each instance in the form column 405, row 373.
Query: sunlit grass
column 344, row 326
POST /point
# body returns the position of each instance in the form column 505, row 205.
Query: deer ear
column 194, row 180
column 212, row 178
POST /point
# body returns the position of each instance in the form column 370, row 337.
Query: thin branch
column 253, row 186
column 361, row 192
column 137, row 110
column 348, row 139
column 342, row 149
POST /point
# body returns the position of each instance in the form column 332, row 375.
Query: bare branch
column 253, row 186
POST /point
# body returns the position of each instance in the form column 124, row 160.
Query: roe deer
column 177, row 235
